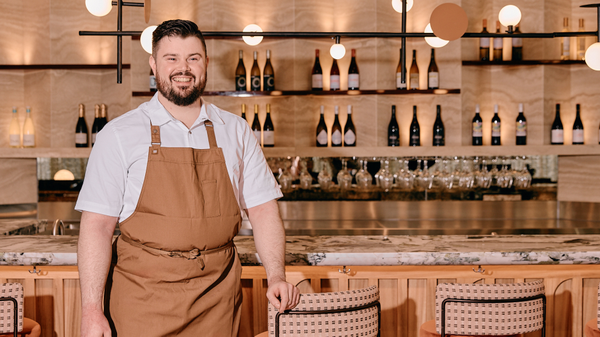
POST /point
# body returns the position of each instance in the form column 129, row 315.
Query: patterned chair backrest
column 7, row 308
column 340, row 314
column 505, row 318
column 598, row 322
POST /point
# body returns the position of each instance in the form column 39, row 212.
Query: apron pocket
column 210, row 193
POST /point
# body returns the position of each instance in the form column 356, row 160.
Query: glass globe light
column 509, row 15
column 397, row 4
column 435, row 42
column 98, row 7
column 146, row 39
column 252, row 40
column 592, row 56
column 337, row 51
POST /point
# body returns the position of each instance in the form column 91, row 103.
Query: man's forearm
column 269, row 238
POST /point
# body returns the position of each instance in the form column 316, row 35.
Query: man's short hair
column 178, row 28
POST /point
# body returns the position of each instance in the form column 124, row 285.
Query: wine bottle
column 353, row 75
column 81, row 129
column 240, row 74
column 517, row 45
column 322, row 130
column 565, row 42
column 414, row 72
column 103, row 116
column 244, row 112
column 334, row 76
column 14, row 131
column 28, row 130
column 268, row 75
column 415, row 130
column 496, row 132
column 256, row 128
column 484, row 44
column 152, row 80
column 336, row 129
column 581, row 42
column 433, row 75
column 477, row 128
column 268, row 130
column 439, row 136
column 557, row 133
column 577, row 129
column 255, row 75
column 521, row 127
column 497, row 44
column 97, row 125
column 317, row 74
column 349, row 130
column 393, row 130
column 399, row 84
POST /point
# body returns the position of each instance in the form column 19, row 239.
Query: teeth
column 176, row 79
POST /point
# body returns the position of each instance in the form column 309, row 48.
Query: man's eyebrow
column 173, row 54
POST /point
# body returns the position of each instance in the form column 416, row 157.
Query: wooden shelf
column 315, row 93
column 521, row 63
column 45, row 152
column 60, row 66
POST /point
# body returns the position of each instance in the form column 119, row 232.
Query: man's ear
column 152, row 63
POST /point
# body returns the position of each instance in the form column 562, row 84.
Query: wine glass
column 305, row 178
column 424, row 177
column 504, row 178
column 405, row 179
column 522, row 177
column 285, row 179
column 344, row 177
column 386, row 178
column 465, row 178
column 381, row 170
column 324, row 179
column 483, row 177
column 364, row 180
column 494, row 171
column 445, row 179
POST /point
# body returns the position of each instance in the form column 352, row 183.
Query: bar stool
column 592, row 327
column 487, row 309
column 339, row 314
column 11, row 313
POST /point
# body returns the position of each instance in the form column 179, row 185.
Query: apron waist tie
column 194, row 254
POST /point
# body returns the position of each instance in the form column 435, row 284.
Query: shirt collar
column 160, row 116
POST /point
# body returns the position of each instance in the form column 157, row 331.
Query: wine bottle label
column 477, row 129
column 29, row 140
column 495, row 129
column 322, row 138
column 414, row 81
column 80, row 138
column 566, row 46
column 353, row 81
column 517, row 42
column 577, row 137
column 335, row 82
column 14, row 140
column 240, row 83
column 269, row 82
column 393, row 140
column 152, row 83
column 255, row 83
column 433, row 80
column 317, row 81
column 350, row 138
column 399, row 84
column 557, row 136
column 521, row 129
column 257, row 135
column 497, row 43
column 484, row 42
column 336, row 137
column 269, row 138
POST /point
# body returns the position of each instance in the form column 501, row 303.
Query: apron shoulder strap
column 155, row 133
column 210, row 131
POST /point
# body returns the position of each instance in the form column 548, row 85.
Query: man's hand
column 94, row 324
column 283, row 295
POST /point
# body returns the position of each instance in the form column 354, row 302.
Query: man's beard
column 189, row 95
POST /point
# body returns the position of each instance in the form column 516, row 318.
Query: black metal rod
column 110, row 33
column 129, row 4
column 120, row 42
column 403, row 53
column 598, row 19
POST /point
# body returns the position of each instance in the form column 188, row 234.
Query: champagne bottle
column 415, row 130
column 322, row 130
column 484, row 44
column 244, row 112
column 439, row 135
column 581, row 42
column 14, row 131
column 349, row 130
column 268, row 130
column 81, row 129
column 97, row 125
column 353, row 75
column 477, row 128
column 393, row 130
column 433, row 75
column 336, row 129
column 565, row 42
column 521, row 127
column 103, row 118
column 496, row 132
column 557, row 133
column 152, row 80
column 317, row 73
column 399, row 84
column 497, row 44
column 255, row 75
column 577, row 129
column 268, row 75
column 240, row 74
column 256, row 128
column 517, row 45
column 28, row 130
column 414, row 72
column 334, row 76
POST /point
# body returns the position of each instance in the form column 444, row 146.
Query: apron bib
column 177, row 271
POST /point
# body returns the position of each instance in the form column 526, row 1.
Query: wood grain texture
column 18, row 181
column 576, row 180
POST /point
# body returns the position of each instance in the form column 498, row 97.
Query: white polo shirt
column 117, row 164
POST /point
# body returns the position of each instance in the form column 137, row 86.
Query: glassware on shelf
column 305, row 178
column 381, row 169
column 344, row 177
column 522, row 178
column 494, row 171
column 364, row 180
column 483, row 177
column 504, row 178
column 285, row 179
column 444, row 179
column 324, row 178
column 456, row 172
column 424, row 177
column 465, row 178
column 386, row 178
column 405, row 179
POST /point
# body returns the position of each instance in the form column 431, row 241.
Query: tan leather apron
column 177, row 271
